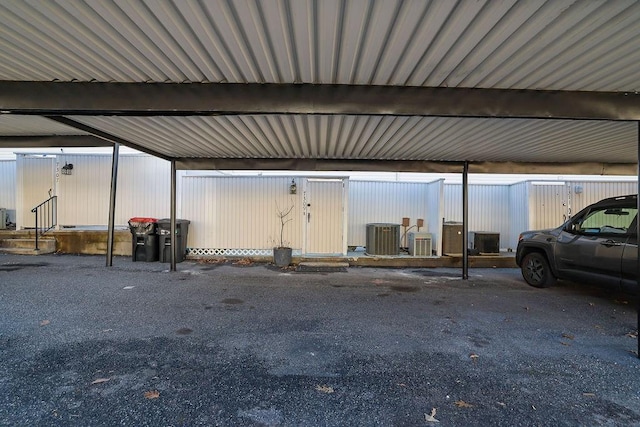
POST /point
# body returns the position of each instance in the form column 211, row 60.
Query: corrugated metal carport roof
column 587, row 47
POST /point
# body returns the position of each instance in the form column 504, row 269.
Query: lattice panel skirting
column 228, row 252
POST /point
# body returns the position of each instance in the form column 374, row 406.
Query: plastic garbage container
column 144, row 239
column 164, row 233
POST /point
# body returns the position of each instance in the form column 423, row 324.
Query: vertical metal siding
column 34, row 177
column 453, row 202
column 435, row 212
column 144, row 187
column 240, row 212
column 199, row 199
column 371, row 201
column 83, row 197
column 594, row 191
column 488, row 208
column 518, row 213
column 8, row 188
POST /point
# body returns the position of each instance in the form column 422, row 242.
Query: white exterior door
column 549, row 206
column 324, row 210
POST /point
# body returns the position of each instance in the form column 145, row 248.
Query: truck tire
column 536, row 271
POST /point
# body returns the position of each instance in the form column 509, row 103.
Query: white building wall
column 384, row 202
column 488, row 208
column 518, row 213
column 34, row 180
column 240, row 212
column 435, row 213
column 591, row 192
column 143, row 189
column 8, row 188
column 83, row 196
column 540, row 205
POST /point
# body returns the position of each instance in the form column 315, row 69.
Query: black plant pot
column 282, row 256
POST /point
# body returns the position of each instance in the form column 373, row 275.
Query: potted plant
column 282, row 253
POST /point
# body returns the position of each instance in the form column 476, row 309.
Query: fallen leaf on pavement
column 430, row 418
column 243, row 261
column 212, row 261
column 474, row 356
column 569, row 336
column 463, row 404
column 632, row 334
column 152, row 394
column 100, row 381
column 325, row 389
column 589, row 394
column 45, row 322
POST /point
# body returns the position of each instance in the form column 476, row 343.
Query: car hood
column 545, row 232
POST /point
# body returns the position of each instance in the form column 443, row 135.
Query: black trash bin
column 164, row 232
column 144, row 239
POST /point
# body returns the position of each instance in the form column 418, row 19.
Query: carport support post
column 173, row 216
column 638, row 247
column 465, row 220
column 112, row 203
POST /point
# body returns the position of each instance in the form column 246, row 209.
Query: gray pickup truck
column 598, row 245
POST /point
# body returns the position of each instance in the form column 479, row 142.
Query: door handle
column 609, row 243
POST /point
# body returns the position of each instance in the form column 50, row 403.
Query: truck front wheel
column 536, row 270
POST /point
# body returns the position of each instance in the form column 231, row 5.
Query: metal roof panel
column 538, row 44
column 377, row 137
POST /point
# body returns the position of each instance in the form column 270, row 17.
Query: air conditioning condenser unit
column 383, row 239
column 419, row 244
column 485, row 242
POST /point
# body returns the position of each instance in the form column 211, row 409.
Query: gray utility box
column 452, row 238
column 3, row 218
column 484, row 242
column 419, row 243
column 383, row 239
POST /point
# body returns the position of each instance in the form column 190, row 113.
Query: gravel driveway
column 251, row 345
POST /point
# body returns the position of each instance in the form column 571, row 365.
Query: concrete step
column 25, row 246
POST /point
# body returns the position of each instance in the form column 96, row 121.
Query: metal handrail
column 46, row 216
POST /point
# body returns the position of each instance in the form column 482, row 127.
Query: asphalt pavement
column 224, row 344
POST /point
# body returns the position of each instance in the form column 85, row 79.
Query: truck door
column 592, row 245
